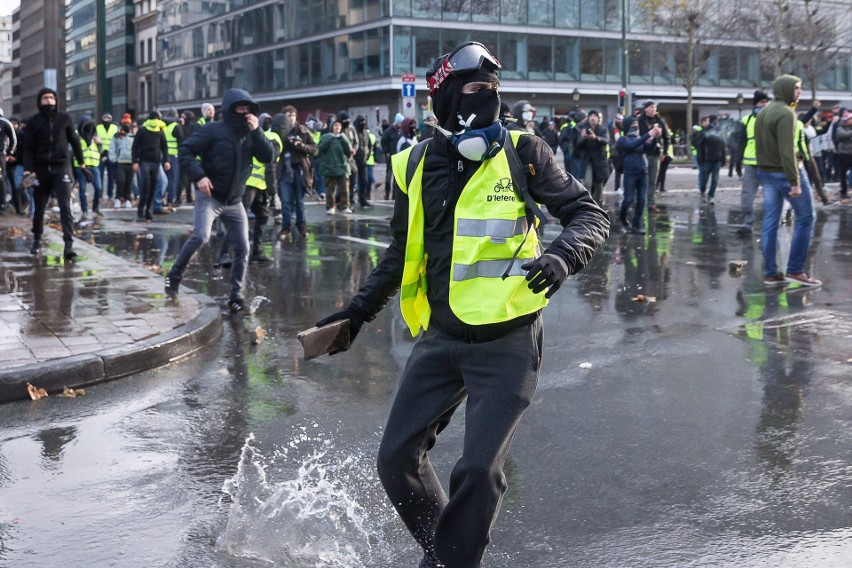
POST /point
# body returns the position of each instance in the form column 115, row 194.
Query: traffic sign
column 409, row 78
column 408, row 89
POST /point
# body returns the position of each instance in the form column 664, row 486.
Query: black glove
column 355, row 323
column 547, row 271
column 88, row 175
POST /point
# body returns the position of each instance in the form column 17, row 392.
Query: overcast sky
column 8, row 6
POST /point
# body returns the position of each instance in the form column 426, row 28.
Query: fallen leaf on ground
column 16, row 232
column 35, row 392
column 641, row 298
column 156, row 268
column 72, row 393
column 258, row 334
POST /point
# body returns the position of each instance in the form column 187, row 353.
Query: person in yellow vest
column 750, row 182
column 259, row 187
column 465, row 258
column 106, row 130
column 174, row 137
column 91, row 146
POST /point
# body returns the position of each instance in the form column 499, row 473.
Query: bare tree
column 699, row 26
column 821, row 40
column 777, row 33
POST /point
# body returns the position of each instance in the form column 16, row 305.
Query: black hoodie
column 226, row 149
column 49, row 132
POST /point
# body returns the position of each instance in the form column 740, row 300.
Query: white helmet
column 2, row 114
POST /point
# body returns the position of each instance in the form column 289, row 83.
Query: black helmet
column 464, row 58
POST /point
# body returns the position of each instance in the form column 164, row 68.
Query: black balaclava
column 86, row 129
column 46, row 110
column 450, row 102
column 237, row 121
column 360, row 123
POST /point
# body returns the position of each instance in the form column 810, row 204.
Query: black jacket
column 226, row 149
column 710, row 144
column 45, row 146
column 585, row 227
column 593, row 151
column 150, row 145
column 646, row 123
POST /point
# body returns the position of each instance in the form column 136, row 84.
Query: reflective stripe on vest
column 486, row 236
column 750, row 152
column 91, row 155
column 257, row 178
column 171, row 140
column 106, row 134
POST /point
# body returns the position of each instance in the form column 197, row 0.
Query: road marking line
column 365, row 241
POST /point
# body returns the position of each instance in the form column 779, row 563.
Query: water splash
column 308, row 504
column 256, row 302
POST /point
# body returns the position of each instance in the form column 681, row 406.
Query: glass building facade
column 354, row 51
column 91, row 89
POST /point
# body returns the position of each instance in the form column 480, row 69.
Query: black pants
column 363, row 185
column 844, row 162
column 57, row 183
column 149, row 171
column 499, row 379
column 257, row 201
column 124, row 181
column 388, row 178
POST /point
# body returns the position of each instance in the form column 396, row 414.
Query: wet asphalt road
column 708, row 427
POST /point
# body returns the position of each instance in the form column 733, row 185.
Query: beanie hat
column 648, row 103
column 759, row 96
column 398, row 119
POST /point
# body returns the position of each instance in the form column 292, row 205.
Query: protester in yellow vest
column 750, row 182
column 258, row 198
column 91, row 146
column 464, row 255
column 105, row 131
column 174, row 136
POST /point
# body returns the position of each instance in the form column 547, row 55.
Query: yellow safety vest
column 692, row 147
column 91, row 154
column 489, row 225
column 750, row 152
column 257, row 178
column 802, row 142
column 106, row 134
column 371, row 154
column 171, row 140
column 201, row 121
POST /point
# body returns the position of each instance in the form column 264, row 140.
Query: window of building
column 567, row 14
column 566, row 58
column 513, row 12
column 142, row 52
column 458, row 10
column 640, row 62
column 541, row 12
column 512, row 53
column 150, row 49
column 483, row 11
column 540, row 57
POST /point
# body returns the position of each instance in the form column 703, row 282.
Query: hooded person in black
column 465, row 261
column 226, row 149
column 45, row 153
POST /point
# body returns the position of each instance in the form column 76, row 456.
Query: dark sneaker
column 222, row 264
column 774, row 280
column 744, row 231
column 172, row 286
column 69, row 254
column 802, row 279
column 283, row 234
column 237, row 305
column 637, row 231
column 303, row 230
column 259, row 257
column 35, row 247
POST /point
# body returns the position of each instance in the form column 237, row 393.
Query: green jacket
column 775, row 131
column 334, row 152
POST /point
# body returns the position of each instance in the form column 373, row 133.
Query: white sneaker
column 84, row 216
column 117, row 204
column 347, row 211
column 128, row 205
column 330, row 211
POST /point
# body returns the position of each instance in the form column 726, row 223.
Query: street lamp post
column 740, row 100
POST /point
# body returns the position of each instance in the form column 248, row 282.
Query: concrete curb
column 114, row 363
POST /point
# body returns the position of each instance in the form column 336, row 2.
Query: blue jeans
column 776, row 189
column 173, row 175
column 160, row 189
column 635, row 189
column 235, row 220
column 292, row 198
column 96, row 183
column 708, row 171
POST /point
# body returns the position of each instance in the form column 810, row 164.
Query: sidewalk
column 98, row 318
